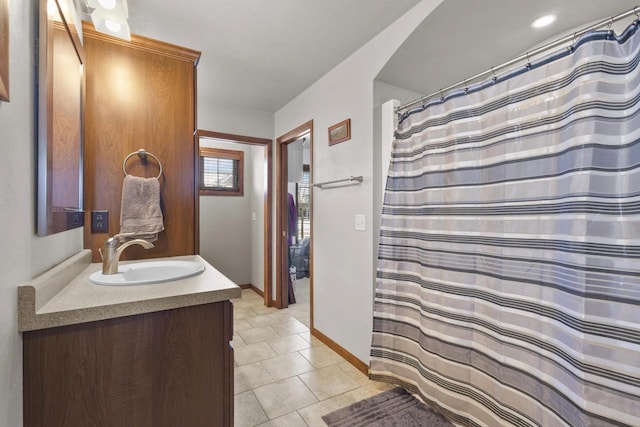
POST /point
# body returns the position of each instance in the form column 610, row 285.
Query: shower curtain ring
column 528, row 61
column 574, row 41
column 441, row 95
column 493, row 72
column 466, row 86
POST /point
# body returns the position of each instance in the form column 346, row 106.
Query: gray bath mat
column 393, row 408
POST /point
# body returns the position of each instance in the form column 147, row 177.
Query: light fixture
column 52, row 10
column 543, row 21
column 113, row 26
column 116, row 7
column 107, row 4
column 110, row 17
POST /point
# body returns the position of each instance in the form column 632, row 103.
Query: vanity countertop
column 64, row 296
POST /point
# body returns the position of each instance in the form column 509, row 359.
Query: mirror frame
column 71, row 217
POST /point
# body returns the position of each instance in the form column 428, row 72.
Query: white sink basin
column 147, row 272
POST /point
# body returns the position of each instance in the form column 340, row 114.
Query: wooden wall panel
column 140, row 94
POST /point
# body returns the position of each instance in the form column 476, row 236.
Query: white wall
column 382, row 92
column 385, row 98
column 256, row 206
column 22, row 254
column 216, row 117
column 232, row 119
column 295, row 161
column 226, row 223
column 343, row 257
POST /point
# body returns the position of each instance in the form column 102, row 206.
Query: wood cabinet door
column 169, row 368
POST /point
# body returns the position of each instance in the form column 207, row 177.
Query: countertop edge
column 34, row 294
column 92, row 314
column 31, row 315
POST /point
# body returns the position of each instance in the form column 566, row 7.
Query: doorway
column 294, row 223
column 237, row 153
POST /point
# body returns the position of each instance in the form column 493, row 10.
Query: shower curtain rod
column 526, row 56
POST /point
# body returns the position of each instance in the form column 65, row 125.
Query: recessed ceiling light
column 543, row 21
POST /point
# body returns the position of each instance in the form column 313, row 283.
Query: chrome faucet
column 110, row 252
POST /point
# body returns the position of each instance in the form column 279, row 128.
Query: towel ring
column 143, row 155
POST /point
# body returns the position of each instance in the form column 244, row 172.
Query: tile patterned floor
column 284, row 377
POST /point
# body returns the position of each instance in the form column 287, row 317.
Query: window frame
column 300, row 226
column 220, row 153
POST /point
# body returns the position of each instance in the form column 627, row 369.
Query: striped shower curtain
column 508, row 280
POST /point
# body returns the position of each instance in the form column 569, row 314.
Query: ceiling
column 462, row 38
column 260, row 54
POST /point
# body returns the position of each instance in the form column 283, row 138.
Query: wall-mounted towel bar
column 142, row 153
column 358, row 179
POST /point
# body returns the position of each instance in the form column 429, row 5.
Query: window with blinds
column 221, row 172
column 303, row 204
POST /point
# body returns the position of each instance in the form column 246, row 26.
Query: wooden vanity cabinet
column 167, row 368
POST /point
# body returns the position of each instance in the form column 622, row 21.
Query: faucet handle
column 119, row 235
column 110, row 244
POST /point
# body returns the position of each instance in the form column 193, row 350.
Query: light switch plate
column 361, row 222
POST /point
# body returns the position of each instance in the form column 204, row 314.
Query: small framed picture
column 340, row 132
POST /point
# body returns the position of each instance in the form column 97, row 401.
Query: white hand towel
column 140, row 213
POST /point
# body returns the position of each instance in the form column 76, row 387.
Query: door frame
column 282, row 209
column 268, row 240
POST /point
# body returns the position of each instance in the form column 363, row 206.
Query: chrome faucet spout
column 110, row 252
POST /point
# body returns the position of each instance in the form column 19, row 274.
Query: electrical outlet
column 99, row 221
column 361, row 222
column 75, row 219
